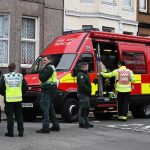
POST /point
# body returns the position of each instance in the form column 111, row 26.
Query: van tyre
column 141, row 111
column 70, row 110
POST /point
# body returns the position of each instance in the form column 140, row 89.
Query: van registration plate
column 30, row 105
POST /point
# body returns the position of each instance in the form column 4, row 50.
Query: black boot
column 90, row 125
column 9, row 134
column 83, row 126
column 20, row 134
column 43, row 131
column 55, row 129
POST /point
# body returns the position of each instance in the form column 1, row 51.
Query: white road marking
column 133, row 127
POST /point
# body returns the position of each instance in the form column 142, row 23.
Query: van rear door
column 135, row 57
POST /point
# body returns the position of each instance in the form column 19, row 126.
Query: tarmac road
column 106, row 135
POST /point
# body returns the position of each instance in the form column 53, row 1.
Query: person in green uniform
column 12, row 87
column 48, row 85
column 83, row 94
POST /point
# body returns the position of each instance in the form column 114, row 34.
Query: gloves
column 101, row 73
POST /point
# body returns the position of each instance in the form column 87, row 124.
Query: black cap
column 121, row 62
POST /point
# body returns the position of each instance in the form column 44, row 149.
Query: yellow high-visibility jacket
column 120, row 86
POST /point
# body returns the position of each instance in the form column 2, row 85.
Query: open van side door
column 135, row 57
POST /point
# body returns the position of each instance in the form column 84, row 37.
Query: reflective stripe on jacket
column 13, row 82
column 119, row 86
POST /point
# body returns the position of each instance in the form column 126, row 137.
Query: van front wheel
column 70, row 110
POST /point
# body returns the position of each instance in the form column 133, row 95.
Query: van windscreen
column 62, row 62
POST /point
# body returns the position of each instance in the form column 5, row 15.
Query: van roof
column 68, row 43
column 120, row 37
column 72, row 40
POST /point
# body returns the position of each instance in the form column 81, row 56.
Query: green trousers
column 10, row 109
column 52, row 113
column 48, row 112
column 83, row 109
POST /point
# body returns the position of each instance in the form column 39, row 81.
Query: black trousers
column 123, row 99
column 10, row 109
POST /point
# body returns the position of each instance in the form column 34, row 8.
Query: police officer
column 83, row 93
column 123, row 79
column 48, row 85
column 12, row 85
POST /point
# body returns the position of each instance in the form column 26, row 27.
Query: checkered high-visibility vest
column 123, row 84
column 123, row 76
column 122, row 81
column 13, row 82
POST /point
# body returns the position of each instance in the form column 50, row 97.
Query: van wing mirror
column 74, row 72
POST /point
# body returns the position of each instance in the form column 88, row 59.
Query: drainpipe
column 64, row 18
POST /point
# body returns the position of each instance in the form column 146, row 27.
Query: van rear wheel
column 70, row 110
column 141, row 111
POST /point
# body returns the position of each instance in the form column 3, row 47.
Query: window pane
column 109, row 1
column 143, row 4
column 140, row 63
column 28, row 28
column 87, row 26
column 86, row 58
column 58, row 60
column 28, row 40
column 128, row 33
column 3, row 26
column 3, row 51
column 127, row 3
column 108, row 29
column 4, row 39
column 27, row 52
column 135, row 62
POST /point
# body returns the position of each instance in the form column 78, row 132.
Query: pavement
column 1, row 103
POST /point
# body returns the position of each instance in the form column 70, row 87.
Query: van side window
column 87, row 58
column 135, row 61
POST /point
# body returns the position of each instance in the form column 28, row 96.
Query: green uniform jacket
column 45, row 73
column 83, row 82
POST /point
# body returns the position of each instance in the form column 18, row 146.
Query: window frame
column 36, row 40
column 8, row 39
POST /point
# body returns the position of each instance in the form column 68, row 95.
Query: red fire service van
column 93, row 47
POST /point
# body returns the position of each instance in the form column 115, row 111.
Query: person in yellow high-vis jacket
column 12, row 87
column 123, row 79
